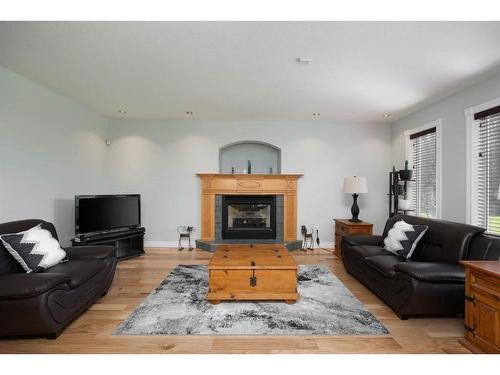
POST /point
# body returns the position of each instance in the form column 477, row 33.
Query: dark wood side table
column 344, row 227
column 482, row 306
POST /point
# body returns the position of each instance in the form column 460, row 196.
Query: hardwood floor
column 136, row 278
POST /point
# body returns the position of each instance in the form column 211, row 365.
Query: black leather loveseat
column 42, row 304
column 432, row 281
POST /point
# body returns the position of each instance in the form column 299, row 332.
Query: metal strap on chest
column 253, row 278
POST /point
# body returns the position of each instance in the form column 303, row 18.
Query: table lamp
column 355, row 185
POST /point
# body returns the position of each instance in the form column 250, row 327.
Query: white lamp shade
column 355, row 185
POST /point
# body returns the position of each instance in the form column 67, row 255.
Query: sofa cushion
column 444, row 241
column 403, row 238
column 22, row 285
column 7, row 262
column 363, row 239
column 35, row 249
column 384, row 263
column 79, row 270
column 22, row 225
column 365, row 251
column 484, row 247
column 433, row 272
column 90, row 252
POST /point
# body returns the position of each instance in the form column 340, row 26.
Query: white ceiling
column 248, row 70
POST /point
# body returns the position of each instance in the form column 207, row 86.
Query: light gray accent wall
column 451, row 111
column 50, row 149
column 159, row 159
column 261, row 155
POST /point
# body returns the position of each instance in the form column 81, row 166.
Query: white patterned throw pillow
column 35, row 249
column 402, row 238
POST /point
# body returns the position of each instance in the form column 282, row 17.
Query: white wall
column 50, row 149
column 159, row 159
column 451, row 111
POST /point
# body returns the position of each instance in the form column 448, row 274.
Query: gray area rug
column 178, row 307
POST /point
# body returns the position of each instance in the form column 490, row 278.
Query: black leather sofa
column 43, row 304
column 431, row 283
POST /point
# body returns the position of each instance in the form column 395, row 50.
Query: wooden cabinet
column 344, row 227
column 482, row 306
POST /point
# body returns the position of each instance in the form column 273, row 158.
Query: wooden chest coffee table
column 252, row 272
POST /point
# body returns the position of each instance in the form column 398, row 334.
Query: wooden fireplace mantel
column 253, row 184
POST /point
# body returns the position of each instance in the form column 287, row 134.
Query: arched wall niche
column 263, row 156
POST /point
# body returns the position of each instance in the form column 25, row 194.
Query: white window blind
column 423, row 192
column 486, row 165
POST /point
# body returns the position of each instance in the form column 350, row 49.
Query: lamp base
column 355, row 209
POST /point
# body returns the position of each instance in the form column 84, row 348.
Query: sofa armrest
column 90, row 252
column 25, row 285
column 362, row 239
column 433, row 272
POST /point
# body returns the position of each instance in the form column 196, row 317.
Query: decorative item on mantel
column 249, row 167
column 355, row 185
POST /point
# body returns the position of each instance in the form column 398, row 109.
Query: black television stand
column 129, row 243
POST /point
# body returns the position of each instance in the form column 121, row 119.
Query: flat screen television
column 100, row 213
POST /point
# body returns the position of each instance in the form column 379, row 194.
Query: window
column 423, row 155
column 484, row 168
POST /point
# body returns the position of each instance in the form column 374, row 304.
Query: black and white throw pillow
column 402, row 238
column 35, row 249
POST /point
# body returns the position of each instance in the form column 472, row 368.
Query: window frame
column 471, row 175
column 409, row 156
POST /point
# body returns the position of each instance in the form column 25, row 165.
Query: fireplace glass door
column 248, row 217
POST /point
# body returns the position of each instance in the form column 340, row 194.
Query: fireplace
column 248, row 217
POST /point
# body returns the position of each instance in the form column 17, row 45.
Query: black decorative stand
column 397, row 188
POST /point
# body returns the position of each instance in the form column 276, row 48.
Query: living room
column 263, row 187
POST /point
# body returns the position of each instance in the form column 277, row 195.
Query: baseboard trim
column 164, row 243
column 328, row 245
column 176, row 243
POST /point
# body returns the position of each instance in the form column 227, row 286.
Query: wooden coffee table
column 252, row 272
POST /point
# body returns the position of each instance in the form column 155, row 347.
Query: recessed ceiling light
column 122, row 111
column 304, row 60
column 385, row 115
column 190, row 113
column 316, row 114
